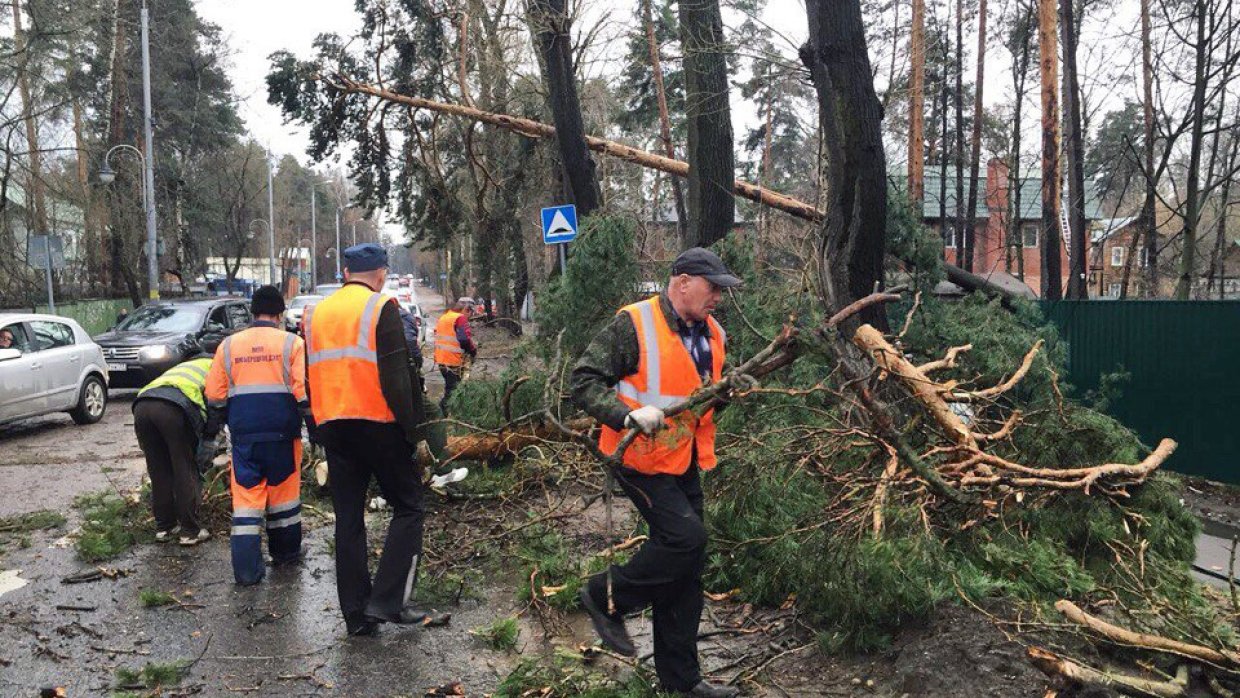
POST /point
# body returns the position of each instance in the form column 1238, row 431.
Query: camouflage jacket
column 612, row 355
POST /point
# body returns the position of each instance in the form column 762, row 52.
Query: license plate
column 117, row 367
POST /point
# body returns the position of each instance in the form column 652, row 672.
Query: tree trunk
column 665, row 121
column 1052, row 274
column 916, row 106
column 851, row 245
column 975, row 154
column 1192, row 198
column 555, row 44
column 37, row 214
column 1076, row 157
column 712, row 210
column 1148, row 224
column 964, row 228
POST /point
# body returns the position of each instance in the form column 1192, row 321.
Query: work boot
column 610, row 629
column 366, row 628
column 196, row 538
column 710, row 690
column 167, row 535
column 407, row 616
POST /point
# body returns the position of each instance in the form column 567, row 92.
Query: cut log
column 495, row 444
column 1052, row 664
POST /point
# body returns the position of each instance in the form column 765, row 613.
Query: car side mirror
column 8, row 354
column 214, row 328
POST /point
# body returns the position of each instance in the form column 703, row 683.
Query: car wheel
column 92, row 402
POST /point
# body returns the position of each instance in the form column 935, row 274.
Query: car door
column 61, row 362
column 239, row 317
column 18, row 385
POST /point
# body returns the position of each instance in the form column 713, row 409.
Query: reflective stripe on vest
column 666, row 375
column 189, row 377
column 448, row 351
column 341, row 356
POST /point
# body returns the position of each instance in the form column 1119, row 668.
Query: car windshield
column 162, row 318
column 303, row 301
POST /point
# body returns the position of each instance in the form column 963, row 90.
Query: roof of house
column 1030, row 195
column 1106, row 227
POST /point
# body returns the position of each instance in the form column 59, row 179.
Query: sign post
column 559, row 226
column 46, row 252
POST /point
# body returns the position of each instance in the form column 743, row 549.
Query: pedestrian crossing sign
column 559, row 224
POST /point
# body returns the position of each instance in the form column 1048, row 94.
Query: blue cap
column 367, row 256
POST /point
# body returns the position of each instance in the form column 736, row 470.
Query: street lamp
column 106, row 176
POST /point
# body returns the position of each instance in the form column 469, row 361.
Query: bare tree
column 1052, row 277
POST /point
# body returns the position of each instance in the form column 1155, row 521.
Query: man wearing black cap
column 366, row 400
column 654, row 354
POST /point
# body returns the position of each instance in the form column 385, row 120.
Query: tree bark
column 552, row 23
column 964, row 227
column 916, row 106
column 1020, row 72
column 37, row 213
column 1192, row 198
column 852, row 235
column 1077, row 288
column 975, row 154
column 1148, row 224
column 665, row 121
column 1052, row 274
column 712, row 210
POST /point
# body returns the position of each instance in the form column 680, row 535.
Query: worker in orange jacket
column 367, row 403
column 453, row 343
column 257, row 379
column 654, row 354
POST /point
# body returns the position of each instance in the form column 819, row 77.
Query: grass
column 110, row 526
column 500, row 635
column 153, row 676
column 154, row 598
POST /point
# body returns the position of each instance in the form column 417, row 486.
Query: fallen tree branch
column 1146, row 641
column 993, row 392
column 1053, row 665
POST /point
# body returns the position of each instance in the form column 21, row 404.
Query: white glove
column 648, row 418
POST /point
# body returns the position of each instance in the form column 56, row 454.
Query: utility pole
column 152, row 246
column 338, row 250
column 271, row 225
column 354, row 232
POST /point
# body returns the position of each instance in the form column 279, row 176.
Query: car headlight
column 159, row 352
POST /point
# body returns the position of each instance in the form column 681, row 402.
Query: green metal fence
column 94, row 315
column 1182, row 356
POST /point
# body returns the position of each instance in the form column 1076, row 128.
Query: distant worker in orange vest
column 654, row 354
column 366, row 400
column 453, row 342
column 258, row 379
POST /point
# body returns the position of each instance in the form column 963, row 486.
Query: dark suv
column 158, row 336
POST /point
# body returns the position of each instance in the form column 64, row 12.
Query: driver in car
column 6, row 338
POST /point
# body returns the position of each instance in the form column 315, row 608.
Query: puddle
column 1214, row 552
column 11, row 580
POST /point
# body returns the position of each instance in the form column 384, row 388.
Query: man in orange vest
column 257, row 379
column 453, row 342
column 366, row 400
column 654, row 354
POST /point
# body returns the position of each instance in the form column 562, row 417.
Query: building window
column 1029, row 235
column 949, row 235
column 1143, row 260
column 1117, row 256
column 1113, row 290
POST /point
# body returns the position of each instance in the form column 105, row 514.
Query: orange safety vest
column 665, row 376
column 258, row 360
column 341, row 356
column 448, row 351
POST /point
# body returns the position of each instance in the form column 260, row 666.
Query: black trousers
column 356, row 451
column 168, row 442
column 451, row 378
column 666, row 572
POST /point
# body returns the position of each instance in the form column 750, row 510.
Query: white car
column 49, row 364
column 296, row 310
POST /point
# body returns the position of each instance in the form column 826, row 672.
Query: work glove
column 743, row 382
column 647, row 418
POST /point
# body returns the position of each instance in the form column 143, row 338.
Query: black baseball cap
column 699, row 261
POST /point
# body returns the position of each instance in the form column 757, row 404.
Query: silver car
column 296, row 309
column 49, row 364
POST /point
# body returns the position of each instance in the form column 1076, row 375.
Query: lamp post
column 338, row 276
column 271, row 232
column 107, row 175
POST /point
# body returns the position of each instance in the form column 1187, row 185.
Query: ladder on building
column 1064, row 227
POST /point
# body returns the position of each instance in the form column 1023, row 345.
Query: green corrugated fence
column 1182, row 356
column 94, row 315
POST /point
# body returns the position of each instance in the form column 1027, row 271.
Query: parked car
column 326, row 289
column 158, row 336
column 418, row 318
column 51, row 366
column 297, row 309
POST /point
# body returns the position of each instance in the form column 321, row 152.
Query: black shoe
column 297, row 559
column 366, row 628
column 710, row 690
column 407, row 616
column 610, row 629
